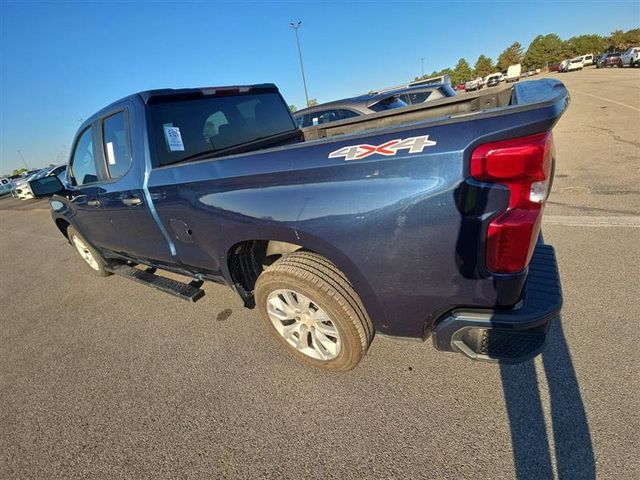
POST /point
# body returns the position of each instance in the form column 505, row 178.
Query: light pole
column 23, row 160
column 422, row 59
column 296, row 26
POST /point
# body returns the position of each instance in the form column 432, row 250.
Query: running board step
column 185, row 291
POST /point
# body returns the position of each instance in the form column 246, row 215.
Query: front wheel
column 89, row 254
column 310, row 307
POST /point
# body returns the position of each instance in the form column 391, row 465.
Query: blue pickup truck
column 419, row 222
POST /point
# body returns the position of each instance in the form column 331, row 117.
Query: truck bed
column 506, row 97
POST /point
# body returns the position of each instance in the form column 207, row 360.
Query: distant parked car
column 472, row 85
column 370, row 103
column 611, row 59
column 426, row 93
column 6, row 185
column 630, row 58
column 493, row 79
column 459, row 87
column 554, row 67
column 575, row 64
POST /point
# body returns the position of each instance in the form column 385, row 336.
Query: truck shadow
column 532, row 450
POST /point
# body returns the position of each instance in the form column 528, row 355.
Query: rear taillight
column 523, row 165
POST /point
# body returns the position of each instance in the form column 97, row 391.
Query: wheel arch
column 247, row 258
column 63, row 225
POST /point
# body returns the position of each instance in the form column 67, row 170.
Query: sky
column 61, row 62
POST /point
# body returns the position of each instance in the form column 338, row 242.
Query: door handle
column 94, row 203
column 132, row 201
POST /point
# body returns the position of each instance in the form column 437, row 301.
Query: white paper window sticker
column 174, row 138
column 111, row 157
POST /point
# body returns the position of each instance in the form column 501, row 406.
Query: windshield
column 184, row 129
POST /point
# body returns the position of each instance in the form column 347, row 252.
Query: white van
column 513, row 73
column 587, row 59
column 575, row 64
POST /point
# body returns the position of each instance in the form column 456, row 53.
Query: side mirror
column 46, row 186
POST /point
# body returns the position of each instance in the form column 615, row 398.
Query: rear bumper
column 509, row 336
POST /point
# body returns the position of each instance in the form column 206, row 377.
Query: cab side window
column 117, row 151
column 83, row 166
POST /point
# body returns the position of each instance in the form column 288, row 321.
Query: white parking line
column 591, row 221
column 606, row 100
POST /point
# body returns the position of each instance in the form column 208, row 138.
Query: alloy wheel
column 303, row 324
column 85, row 253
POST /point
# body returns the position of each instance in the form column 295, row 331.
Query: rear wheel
column 310, row 307
column 89, row 254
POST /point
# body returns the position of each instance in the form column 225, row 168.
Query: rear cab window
column 115, row 144
column 190, row 128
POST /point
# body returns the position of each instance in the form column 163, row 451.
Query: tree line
column 542, row 51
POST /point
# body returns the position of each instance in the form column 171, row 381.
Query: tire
column 90, row 255
column 334, row 308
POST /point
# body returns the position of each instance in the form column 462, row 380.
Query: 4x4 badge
column 357, row 152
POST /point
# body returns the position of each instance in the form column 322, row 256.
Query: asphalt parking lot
column 105, row 378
